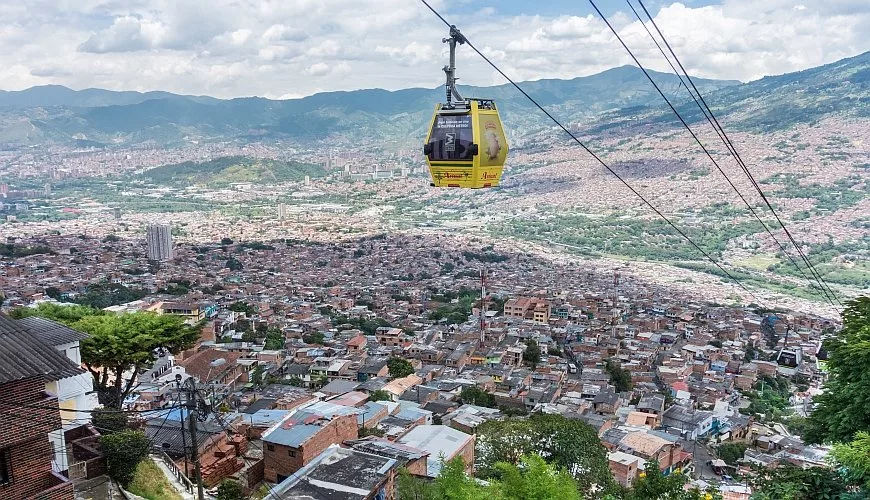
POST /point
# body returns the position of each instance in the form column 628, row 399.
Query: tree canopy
column 854, row 457
column 119, row 343
column 842, row 408
column 619, row 376
column 652, row 484
column 564, row 443
column 533, row 478
column 532, row 354
column 124, row 450
column 399, row 367
column 476, row 396
column 789, row 482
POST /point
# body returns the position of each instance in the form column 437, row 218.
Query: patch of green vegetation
column 150, row 482
column 231, row 169
column 631, row 238
column 846, row 263
column 844, row 193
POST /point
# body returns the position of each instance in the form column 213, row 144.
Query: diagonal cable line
column 817, row 284
column 718, row 127
column 596, row 157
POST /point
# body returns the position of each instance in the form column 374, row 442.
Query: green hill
column 231, row 169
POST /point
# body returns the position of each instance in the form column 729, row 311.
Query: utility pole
column 183, row 433
column 194, row 449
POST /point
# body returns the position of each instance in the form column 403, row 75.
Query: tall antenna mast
column 483, row 305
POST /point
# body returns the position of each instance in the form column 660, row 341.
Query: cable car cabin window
column 451, row 138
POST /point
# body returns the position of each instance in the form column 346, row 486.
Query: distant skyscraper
column 159, row 238
column 46, row 190
column 116, row 212
column 282, row 211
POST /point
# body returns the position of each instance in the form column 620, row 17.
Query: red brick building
column 298, row 439
column 29, row 414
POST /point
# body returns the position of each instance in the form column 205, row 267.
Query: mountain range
column 614, row 98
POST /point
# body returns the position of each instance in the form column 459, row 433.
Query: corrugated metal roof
column 51, row 332
column 24, row 355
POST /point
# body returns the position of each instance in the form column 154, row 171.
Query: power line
column 694, row 136
column 728, row 146
column 720, row 131
column 596, row 157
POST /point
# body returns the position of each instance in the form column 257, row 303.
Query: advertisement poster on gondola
column 451, row 138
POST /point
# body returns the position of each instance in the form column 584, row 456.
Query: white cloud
column 299, row 47
column 317, row 69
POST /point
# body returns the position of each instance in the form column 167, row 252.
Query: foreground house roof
column 23, row 355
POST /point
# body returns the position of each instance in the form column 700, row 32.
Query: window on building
column 291, row 453
column 5, row 467
column 270, row 447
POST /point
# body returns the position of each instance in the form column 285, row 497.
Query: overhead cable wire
column 596, row 157
column 718, row 127
column 817, row 284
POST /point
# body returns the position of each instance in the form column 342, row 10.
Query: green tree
column 789, row 482
column 476, row 396
column 233, row 264
column 314, row 338
column 567, row 444
column 226, row 241
column 842, row 408
column 399, row 367
column 230, row 490
column 380, row 395
column 619, row 376
column 731, row 452
column 123, row 451
column 274, row 339
column 532, row 354
column 652, row 484
column 534, row 479
column 854, row 457
column 109, row 420
column 127, row 343
column 66, row 314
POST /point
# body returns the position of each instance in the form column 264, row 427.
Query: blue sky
column 292, row 48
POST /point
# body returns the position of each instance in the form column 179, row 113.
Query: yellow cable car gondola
column 466, row 146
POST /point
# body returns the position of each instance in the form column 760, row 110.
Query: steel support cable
column 817, row 284
column 737, row 157
column 596, row 157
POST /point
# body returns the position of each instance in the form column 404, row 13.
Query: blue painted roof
column 266, row 416
column 294, row 436
column 371, row 409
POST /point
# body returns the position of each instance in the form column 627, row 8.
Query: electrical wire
column 596, row 157
column 229, row 433
column 817, row 284
column 697, row 139
column 718, row 127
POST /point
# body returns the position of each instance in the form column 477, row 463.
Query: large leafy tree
column 399, row 367
column 854, row 457
column 124, row 450
column 619, row 376
column 789, row 482
column 843, row 408
column 651, row 483
column 532, row 354
column 65, row 314
column 533, row 478
column 567, row 444
column 119, row 346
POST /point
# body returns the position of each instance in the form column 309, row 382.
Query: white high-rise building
column 282, row 211
column 159, row 239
